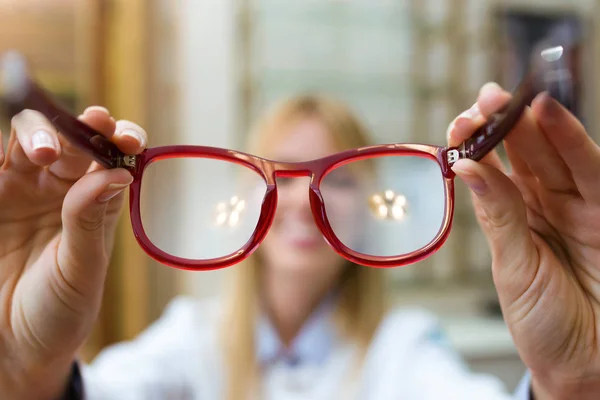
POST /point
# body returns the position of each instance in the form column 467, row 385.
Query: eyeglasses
column 380, row 206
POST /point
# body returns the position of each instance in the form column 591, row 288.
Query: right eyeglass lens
column 385, row 206
column 200, row 208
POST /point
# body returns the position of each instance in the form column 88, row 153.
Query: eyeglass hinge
column 127, row 161
column 453, row 156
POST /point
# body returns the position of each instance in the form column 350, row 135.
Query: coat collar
column 312, row 345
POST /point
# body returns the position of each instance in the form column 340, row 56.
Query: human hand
column 58, row 218
column 542, row 223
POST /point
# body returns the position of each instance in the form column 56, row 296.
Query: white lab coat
column 178, row 358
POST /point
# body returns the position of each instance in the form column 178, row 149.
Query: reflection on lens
column 200, row 208
column 388, row 206
column 229, row 212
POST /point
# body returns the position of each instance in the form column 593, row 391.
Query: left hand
column 542, row 223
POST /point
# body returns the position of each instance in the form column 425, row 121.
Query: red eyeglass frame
column 25, row 93
column 269, row 170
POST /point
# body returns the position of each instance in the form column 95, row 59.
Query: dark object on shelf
column 521, row 31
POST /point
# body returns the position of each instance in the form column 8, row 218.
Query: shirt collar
column 312, row 345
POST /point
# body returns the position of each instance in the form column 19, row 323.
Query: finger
column 94, row 166
column 503, row 219
column 1, row 148
column 82, row 253
column 524, row 179
column 100, row 119
column 532, row 147
column 522, row 175
column 114, row 204
column 129, row 137
column 73, row 162
column 33, row 142
column 575, row 147
column 465, row 125
column 518, row 165
column 529, row 143
column 491, row 98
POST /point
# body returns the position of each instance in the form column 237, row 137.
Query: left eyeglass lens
column 385, row 206
column 200, row 208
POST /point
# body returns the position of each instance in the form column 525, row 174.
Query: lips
column 299, row 233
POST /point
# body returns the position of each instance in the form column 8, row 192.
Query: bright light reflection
column 229, row 213
column 390, row 206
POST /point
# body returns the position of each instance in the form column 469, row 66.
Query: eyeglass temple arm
column 551, row 71
column 21, row 92
column 497, row 126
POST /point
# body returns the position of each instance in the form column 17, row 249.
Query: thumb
column 82, row 253
column 501, row 213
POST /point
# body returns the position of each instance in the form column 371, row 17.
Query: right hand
column 58, row 218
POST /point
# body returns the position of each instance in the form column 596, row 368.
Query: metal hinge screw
column 127, row 161
column 453, row 156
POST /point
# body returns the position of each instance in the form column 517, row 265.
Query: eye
column 340, row 179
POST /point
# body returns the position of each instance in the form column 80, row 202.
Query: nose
column 293, row 195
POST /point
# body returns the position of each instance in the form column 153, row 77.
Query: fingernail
column 491, row 85
column 473, row 113
column 111, row 191
column 96, row 108
column 551, row 109
column 474, row 182
column 42, row 139
column 134, row 134
column 450, row 130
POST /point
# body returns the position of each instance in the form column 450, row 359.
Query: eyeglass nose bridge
column 311, row 169
column 278, row 169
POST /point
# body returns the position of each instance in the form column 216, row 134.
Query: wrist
column 44, row 382
column 545, row 388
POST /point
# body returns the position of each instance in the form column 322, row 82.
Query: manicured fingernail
column 551, row 109
column 475, row 183
column 491, row 86
column 111, row 191
column 134, row 134
column 473, row 115
column 96, row 108
column 42, row 139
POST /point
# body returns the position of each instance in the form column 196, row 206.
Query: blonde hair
column 361, row 303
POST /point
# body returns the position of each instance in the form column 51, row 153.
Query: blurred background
column 200, row 71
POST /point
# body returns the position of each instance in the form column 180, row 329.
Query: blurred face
column 294, row 243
